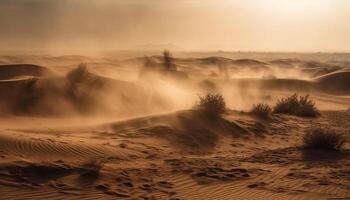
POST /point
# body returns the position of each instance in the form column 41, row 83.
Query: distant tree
column 168, row 60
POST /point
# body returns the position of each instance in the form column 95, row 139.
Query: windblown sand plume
column 170, row 100
column 80, row 133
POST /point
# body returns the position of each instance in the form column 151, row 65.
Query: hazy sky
column 261, row 25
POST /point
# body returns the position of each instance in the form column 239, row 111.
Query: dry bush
column 78, row 74
column 211, row 105
column 262, row 110
column 29, row 96
column 168, row 60
column 327, row 139
column 83, row 89
column 297, row 105
column 167, row 68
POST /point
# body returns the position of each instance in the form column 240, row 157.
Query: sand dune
column 48, row 149
column 81, row 93
column 319, row 71
column 188, row 74
column 22, row 70
column 168, row 156
column 284, row 62
column 335, row 83
column 248, row 62
column 185, row 130
column 215, row 60
column 116, row 128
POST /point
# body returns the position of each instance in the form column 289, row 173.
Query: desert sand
column 125, row 127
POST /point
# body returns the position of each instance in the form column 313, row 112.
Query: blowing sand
column 126, row 129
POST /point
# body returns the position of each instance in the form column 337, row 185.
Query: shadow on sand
column 196, row 133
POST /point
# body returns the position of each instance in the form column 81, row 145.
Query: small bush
column 29, row 96
column 211, row 105
column 327, row 139
column 78, row 74
column 83, row 89
column 168, row 61
column 262, row 110
column 297, row 105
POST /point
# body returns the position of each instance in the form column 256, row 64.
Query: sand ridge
column 93, row 135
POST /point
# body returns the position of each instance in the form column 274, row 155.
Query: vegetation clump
column 320, row 138
column 78, row 74
column 29, row 96
column 168, row 61
column 83, row 89
column 211, row 105
column 165, row 67
column 262, row 110
column 296, row 105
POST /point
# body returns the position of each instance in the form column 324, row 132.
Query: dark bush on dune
column 79, row 91
column 211, row 105
column 29, row 95
column 168, row 61
column 262, row 110
column 166, row 68
column 326, row 139
column 83, row 89
column 78, row 74
column 297, row 105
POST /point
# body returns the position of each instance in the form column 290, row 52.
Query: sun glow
column 294, row 7
column 271, row 25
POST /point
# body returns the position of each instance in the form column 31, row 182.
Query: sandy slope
column 107, row 114
column 177, row 155
column 26, row 70
column 335, row 82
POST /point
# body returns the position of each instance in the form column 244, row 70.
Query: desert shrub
column 262, row 110
column 168, row 61
column 297, row 105
column 211, row 105
column 92, row 168
column 318, row 138
column 29, row 95
column 166, row 68
column 76, row 87
column 78, row 74
column 83, row 89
